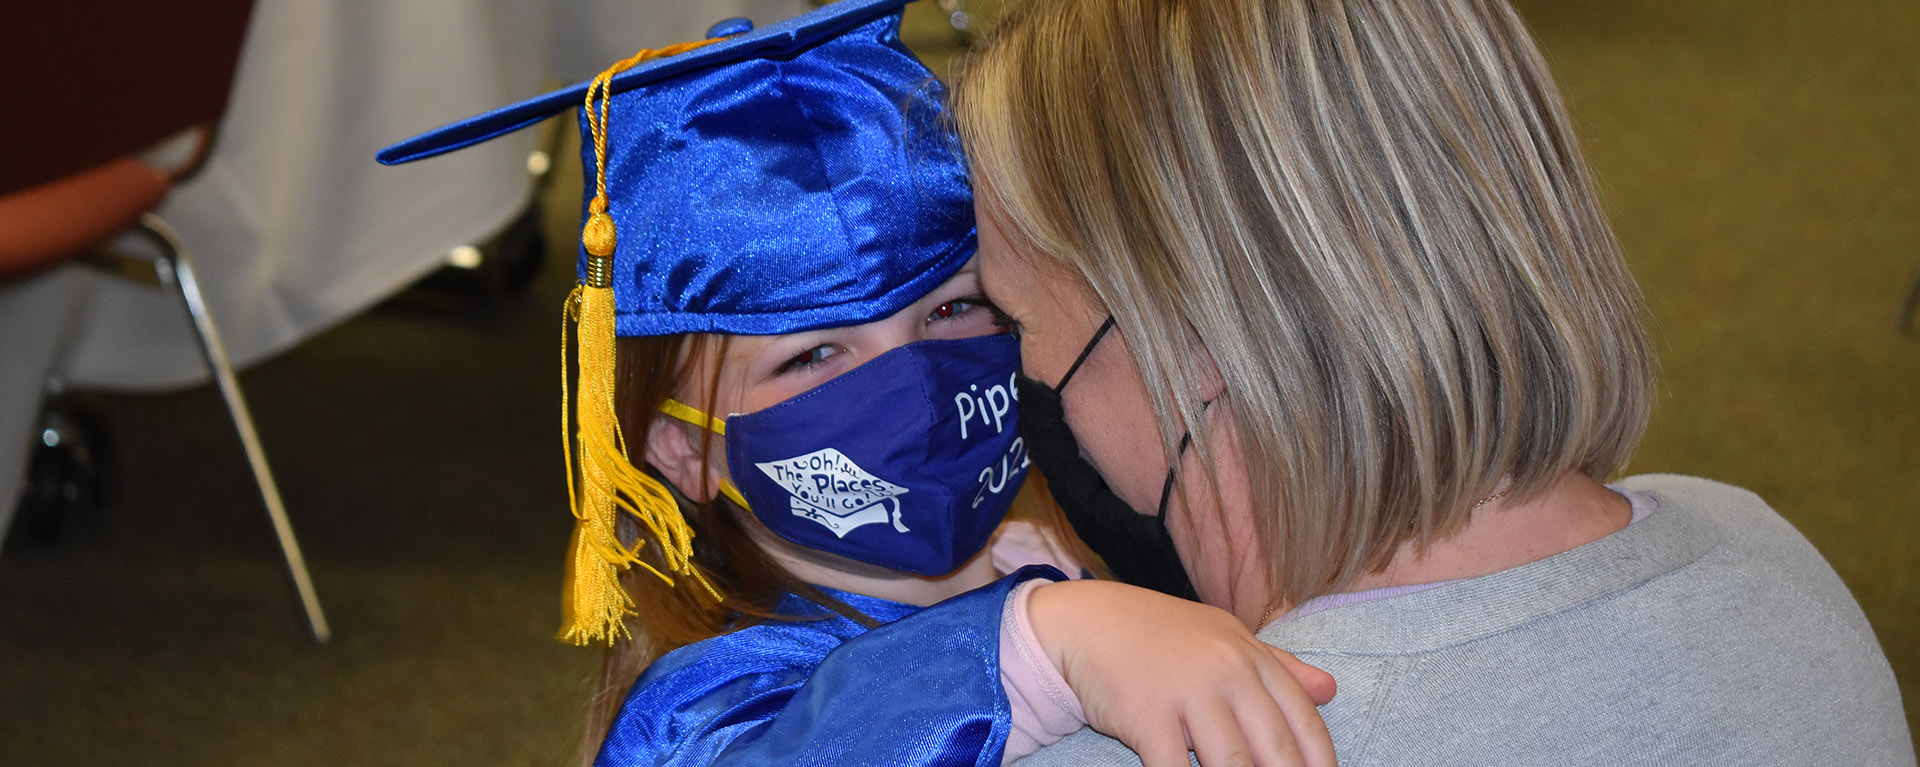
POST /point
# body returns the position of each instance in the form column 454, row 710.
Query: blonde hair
column 1371, row 214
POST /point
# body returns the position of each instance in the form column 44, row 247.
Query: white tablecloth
column 292, row 225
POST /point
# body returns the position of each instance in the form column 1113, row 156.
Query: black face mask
column 1136, row 547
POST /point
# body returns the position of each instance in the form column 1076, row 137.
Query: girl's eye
column 950, row 309
column 807, row 360
column 965, row 308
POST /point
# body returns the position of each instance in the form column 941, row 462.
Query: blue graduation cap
column 794, row 177
column 791, row 177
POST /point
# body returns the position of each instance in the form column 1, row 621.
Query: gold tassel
column 604, row 480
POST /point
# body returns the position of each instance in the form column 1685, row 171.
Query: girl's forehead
column 967, row 278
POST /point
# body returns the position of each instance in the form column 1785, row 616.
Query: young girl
column 812, row 566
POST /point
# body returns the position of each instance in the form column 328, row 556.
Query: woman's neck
column 1573, row 512
column 834, row 572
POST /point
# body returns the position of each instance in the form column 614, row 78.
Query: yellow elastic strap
column 733, row 494
column 718, row 425
column 693, row 415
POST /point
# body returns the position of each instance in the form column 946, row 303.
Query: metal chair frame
column 174, row 267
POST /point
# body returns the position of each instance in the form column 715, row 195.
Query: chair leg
column 174, row 266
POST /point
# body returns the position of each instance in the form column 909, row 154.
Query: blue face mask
column 907, row 462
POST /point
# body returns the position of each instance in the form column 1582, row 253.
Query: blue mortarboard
column 792, row 177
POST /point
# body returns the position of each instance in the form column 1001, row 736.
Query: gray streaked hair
column 1371, row 214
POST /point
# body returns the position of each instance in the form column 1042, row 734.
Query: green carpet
column 1757, row 160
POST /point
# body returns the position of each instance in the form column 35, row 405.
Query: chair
column 146, row 72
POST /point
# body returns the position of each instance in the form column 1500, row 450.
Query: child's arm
column 925, row 690
column 1042, row 707
column 922, row 691
column 1162, row 675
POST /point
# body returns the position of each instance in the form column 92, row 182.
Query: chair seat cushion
column 42, row 226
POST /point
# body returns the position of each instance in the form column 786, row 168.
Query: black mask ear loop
column 1085, row 351
column 1166, row 490
column 1137, row 550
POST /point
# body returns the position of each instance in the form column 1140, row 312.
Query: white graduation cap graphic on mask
column 829, row 488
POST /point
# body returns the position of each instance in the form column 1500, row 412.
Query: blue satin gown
column 922, row 689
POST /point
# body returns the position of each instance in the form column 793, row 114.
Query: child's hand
column 1163, row 675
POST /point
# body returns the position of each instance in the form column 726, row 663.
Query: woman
column 1344, row 260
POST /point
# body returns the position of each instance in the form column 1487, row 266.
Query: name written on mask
column 978, row 409
column 989, row 407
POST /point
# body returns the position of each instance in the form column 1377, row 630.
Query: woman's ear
column 675, row 449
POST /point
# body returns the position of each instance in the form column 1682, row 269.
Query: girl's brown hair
column 648, row 371
column 1371, row 214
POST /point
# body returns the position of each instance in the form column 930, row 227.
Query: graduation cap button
column 730, row 27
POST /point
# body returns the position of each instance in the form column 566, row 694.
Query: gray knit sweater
column 1709, row 632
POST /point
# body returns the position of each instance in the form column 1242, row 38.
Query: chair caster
column 65, row 488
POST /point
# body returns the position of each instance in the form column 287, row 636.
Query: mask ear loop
column 1166, row 489
column 717, row 425
column 1186, row 440
column 1085, row 351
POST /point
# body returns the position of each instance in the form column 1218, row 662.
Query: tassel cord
column 602, row 480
